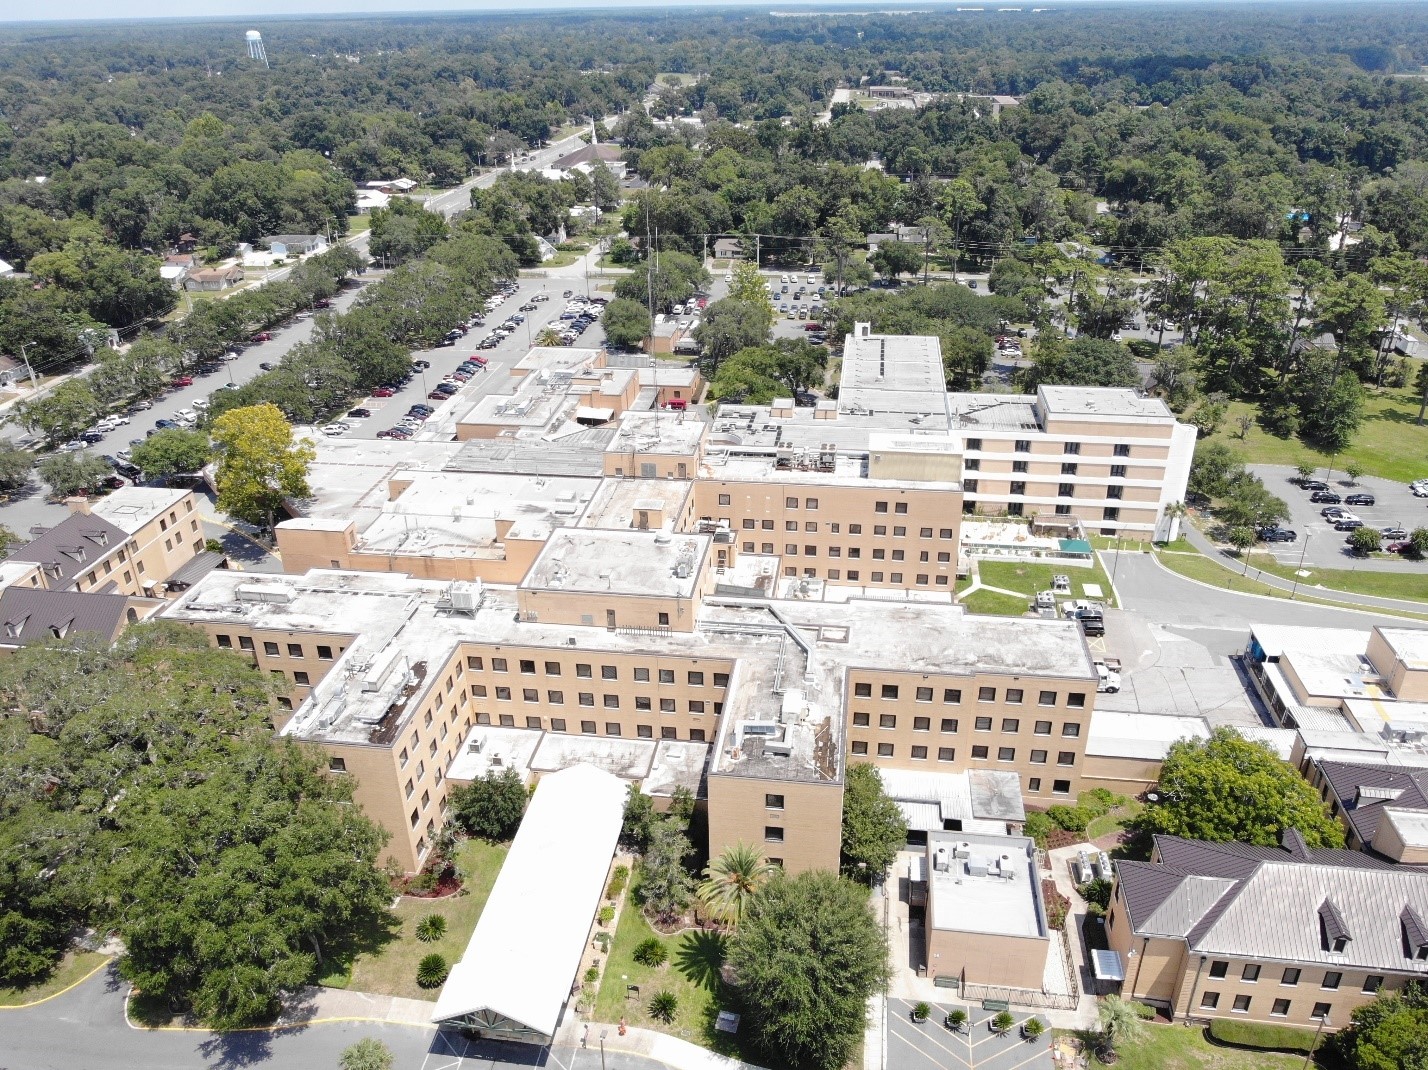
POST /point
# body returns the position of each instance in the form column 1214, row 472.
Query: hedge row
column 1261, row 1036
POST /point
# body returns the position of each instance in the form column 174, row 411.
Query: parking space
column 1318, row 544
column 931, row 1045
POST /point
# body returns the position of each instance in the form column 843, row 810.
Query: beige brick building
column 1272, row 934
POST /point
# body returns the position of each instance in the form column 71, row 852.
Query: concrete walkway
column 1202, row 542
column 647, row 1043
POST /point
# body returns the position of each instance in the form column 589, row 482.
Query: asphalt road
column 85, row 1027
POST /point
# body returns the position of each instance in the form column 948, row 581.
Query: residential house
column 30, row 615
column 213, row 280
column 286, row 245
column 1285, row 934
column 1383, row 808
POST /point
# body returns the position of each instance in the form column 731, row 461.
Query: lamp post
column 1310, row 1053
column 603, row 1034
column 1302, row 551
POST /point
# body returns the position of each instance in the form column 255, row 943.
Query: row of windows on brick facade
column 953, row 696
column 273, row 650
column 1291, row 976
column 836, row 528
column 1278, row 1009
column 810, row 504
column 587, row 698
column 854, row 553
column 1068, row 468
column 980, row 752
column 949, row 725
column 1023, row 445
column 590, row 728
column 584, row 671
column 853, row 575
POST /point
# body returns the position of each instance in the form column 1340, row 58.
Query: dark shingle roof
column 1145, row 886
column 30, row 614
column 1389, row 784
column 71, row 547
column 1237, row 860
column 589, row 154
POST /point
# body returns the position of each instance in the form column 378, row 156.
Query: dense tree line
column 142, row 792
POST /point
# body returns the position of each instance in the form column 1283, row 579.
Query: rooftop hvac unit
column 381, row 669
column 467, row 597
column 1008, row 869
column 962, row 850
column 277, row 593
column 940, row 860
column 978, row 867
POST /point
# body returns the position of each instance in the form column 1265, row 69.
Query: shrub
column 1143, row 1010
column 1261, row 1036
column 1003, row 1021
column 1057, row 905
column 1097, row 891
column 603, row 939
column 431, row 928
column 606, row 915
column 1070, row 818
column 617, row 883
column 592, row 974
column 921, row 1011
column 651, row 952
column 664, row 1006
column 1100, row 800
column 956, row 1019
column 431, row 971
column 1033, row 1028
column 1038, row 827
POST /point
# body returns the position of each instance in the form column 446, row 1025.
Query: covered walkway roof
column 517, row 972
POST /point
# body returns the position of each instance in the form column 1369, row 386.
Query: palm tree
column 548, row 336
column 731, row 880
column 1119, row 1022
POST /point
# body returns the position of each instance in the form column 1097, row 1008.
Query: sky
column 135, row 9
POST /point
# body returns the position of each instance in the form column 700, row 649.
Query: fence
column 1019, row 997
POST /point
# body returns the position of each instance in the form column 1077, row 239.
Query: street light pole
column 603, row 1034
column 1310, row 1053
column 1302, row 551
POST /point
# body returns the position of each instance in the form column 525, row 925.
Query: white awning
column 585, row 412
column 524, row 955
column 1107, row 966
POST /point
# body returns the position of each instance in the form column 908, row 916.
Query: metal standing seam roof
column 1363, row 814
column 29, row 614
column 74, row 545
column 526, row 948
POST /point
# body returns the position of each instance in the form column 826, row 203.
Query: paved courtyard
column 932, row 1046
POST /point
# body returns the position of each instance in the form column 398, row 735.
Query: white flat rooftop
column 130, row 508
column 1101, row 401
column 893, row 373
column 625, row 562
column 973, row 894
column 1409, row 644
column 1114, row 734
column 653, row 432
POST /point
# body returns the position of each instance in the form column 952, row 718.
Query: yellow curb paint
column 62, row 991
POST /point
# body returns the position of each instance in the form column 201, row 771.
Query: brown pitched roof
column 30, row 614
column 71, row 547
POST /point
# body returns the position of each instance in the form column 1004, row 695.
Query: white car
column 186, row 414
column 72, row 446
column 334, row 429
column 200, row 403
column 109, row 423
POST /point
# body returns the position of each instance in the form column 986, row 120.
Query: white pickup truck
column 1108, row 675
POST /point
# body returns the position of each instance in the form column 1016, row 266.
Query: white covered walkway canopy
column 518, row 970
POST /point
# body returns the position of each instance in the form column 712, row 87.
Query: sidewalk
column 1201, row 542
column 661, row 1047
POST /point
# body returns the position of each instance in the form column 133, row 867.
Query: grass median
column 75, row 966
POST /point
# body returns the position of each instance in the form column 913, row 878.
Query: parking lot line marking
column 1042, row 1055
column 926, row 1055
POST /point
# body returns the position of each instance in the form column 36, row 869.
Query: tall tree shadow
column 700, row 957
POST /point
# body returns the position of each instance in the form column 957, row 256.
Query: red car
column 811, row 326
column 263, row 336
column 384, row 392
column 182, row 380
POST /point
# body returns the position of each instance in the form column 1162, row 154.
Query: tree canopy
column 807, row 956
column 874, row 829
column 491, row 806
column 1228, row 788
column 260, row 467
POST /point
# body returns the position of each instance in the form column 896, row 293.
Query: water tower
column 255, row 46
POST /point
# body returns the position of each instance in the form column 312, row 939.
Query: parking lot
column 932, row 1046
column 496, row 378
column 1318, row 543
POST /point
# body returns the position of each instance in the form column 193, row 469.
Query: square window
column 531, row 722
column 586, row 698
column 876, row 577
column 473, row 663
column 612, row 728
column 1011, row 724
column 887, row 720
column 610, row 702
column 609, row 672
column 946, row 754
column 1014, row 696
column 979, row 752
column 895, row 577
column 225, row 642
column 1038, row 757
column 584, row 672
column 555, row 698
column 530, row 694
column 642, row 676
column 986, row 694
column 724, row 499
column 271, row 649
column 889, row 691
column 696, row 705
column 1042, row 728
column 300, row 678
column 666, row 676
column 1279, row 1008
column 336, row 765
column 1018, row 487
column 324, row 653
column 919, row 753
column 1066, row 757
column 294, row 650
column 922, row 724
column 1034, row 784
column 1076, row 700
column 885, row 750
column 587, row 727
column 644, row 731
column 642, row 702
column 504, row 694
column 1242, row 1004
column 860, row 746
column 498, row 664
column 1373, row 982
column 853, row 575
column 1250, row 973
column 773, row 802
column 1210, row 1000
column 1290, row 977
column 949, row 724
column 666, row 705
column 952, row 695
column 982, row 724
column 860, row 720
column 1071, row 730
column 1061, row 787
column 1321, row 1010
column 773, row 834
column 1122, row 449
column 766, row 525
column 527, row 666
column 1006, row 754
column 668, row 733
column 1332, row 979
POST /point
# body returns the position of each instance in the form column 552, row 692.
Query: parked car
column 165, row 425
column 1325, row 497
column 182, row 380
column 1313, row 484
column 438, row 395
column 1348, row 522
column 384, row 392
column 334, row 429
column 1359, row 499
column 360, row 414
column 1277, row 534
column 201, row 403
column 263, row 336
column 266, row 365
column 421, row 365
column 1393, row 533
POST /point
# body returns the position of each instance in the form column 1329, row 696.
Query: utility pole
column 34, row 383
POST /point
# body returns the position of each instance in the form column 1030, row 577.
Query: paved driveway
column 932, row 1046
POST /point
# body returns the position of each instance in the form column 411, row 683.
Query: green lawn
column 1030, row 577
column 690, row 971
column 1409, row 585
column 995, row 604
column 1118, row 818
column 1179, row 1047
column 386, row 961
column 75, row 966
column 1390, row 443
